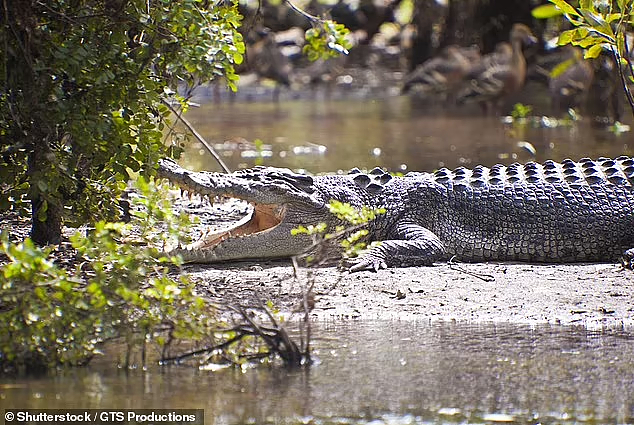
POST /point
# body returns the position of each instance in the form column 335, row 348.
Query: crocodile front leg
column 627, row 259
column 411, row 245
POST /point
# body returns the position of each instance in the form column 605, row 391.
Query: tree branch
column 617, row 60
column 197, row 135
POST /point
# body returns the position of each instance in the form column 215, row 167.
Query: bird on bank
column 570, row 81
column 441, row 74
column 567, row 75
column 500, row 73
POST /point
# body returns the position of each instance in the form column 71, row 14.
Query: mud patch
column 593, row 295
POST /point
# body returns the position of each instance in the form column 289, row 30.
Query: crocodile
column 550, row 212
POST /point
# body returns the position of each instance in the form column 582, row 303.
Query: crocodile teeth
column 213, row 238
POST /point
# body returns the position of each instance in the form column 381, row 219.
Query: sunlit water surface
column 381, row 373
column 394, row 132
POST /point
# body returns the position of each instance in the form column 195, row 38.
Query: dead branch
column 197, row 135
column 275, row 337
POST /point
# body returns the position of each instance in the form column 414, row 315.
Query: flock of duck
column 458, row 75
column 463, row 75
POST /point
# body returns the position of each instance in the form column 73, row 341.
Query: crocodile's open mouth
column 261, row 219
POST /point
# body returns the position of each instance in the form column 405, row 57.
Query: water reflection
column 384, row 372
column 392, row 132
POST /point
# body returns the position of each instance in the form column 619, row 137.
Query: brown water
column 382, row 373
column 326, row 136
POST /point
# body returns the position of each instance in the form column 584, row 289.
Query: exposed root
column 277, row 340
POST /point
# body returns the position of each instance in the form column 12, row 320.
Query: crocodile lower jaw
column 263, row 218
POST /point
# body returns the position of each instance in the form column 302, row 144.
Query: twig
column 621, row 29
column 617, row 59
column 181, row 357
column 453, row 265
column 306, row 323
column 631, row 69
column 275, row 337
column 197, row 135
column 267, row 312
column 291, row 354
column 295, row 267
column 311, row 18
column 321, row 240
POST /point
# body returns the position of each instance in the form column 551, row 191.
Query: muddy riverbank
column 593, row 295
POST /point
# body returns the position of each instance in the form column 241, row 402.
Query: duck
column 499, row 74
column 443, row 73
column 570, row 81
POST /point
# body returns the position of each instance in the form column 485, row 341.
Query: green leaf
column 590, row 41
column 598, row 23
column 565, row 37
column 565, row 7
column 593, row 52
column 587, row 5
column 546, row 11
column 611, row 17
column 580, row 33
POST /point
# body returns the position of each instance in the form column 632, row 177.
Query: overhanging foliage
column 82, row 83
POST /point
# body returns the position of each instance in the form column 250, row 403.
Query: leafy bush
column 326, row 40
column 598, row 26
column 349, row 234
column 118, row 289
column 81, row 99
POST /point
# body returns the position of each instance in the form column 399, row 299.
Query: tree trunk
column 485, row 22
column 460, row 27
column 48, row 231
column 32, row 126
column 46, row 217
column 427, row 13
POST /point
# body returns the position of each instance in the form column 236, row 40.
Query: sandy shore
column 593, row 295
